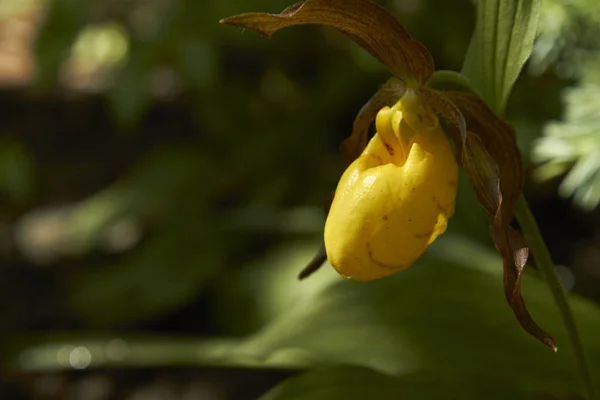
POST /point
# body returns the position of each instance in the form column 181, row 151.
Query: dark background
column 156, row 168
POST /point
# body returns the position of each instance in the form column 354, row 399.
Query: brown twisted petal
column 499, row 139
column 483, row 172
column 353, row 146
column 442, row 106
column 513, row 248
column 492, row 161
column 365, row 22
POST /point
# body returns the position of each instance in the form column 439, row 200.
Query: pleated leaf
column 502, row 42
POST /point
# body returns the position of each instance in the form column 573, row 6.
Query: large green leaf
column 502, row 42
column 445, row 315
column 349, row 383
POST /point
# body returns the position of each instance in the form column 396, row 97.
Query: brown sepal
column 365, row 22
column 353, row 146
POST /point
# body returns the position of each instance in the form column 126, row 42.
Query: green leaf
column 574, row 144
column 58, row 32
column 17, row 172
column 349, row 383
column 502, row 42
column 131, row 94
column 445, row 315
column 132, row 287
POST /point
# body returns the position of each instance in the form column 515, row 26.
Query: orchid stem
column 544, row 261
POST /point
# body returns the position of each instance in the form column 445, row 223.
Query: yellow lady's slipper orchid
column 395, row 199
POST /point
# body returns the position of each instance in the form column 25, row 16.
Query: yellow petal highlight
column 395, row 199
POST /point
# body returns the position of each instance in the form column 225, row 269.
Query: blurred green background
column 161, row 185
